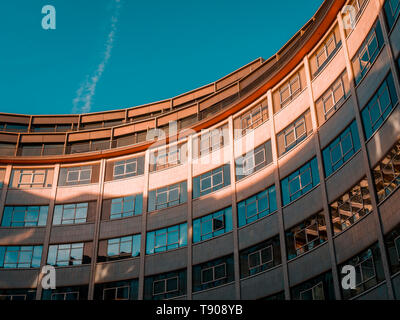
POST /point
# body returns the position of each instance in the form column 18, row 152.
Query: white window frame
column 211, row 177
column 80, row 171
column 165, row 285
column 213, row 273
column 288, row 86
column 124, row 164
column 33, row 174
column 259, row 253
column 293, row 129
column 331, row 95
column 167, row 192
column 121, row 213
column 206, row 142
column 252, row 158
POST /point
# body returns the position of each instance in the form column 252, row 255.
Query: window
column 70, row 213
column 369, row 271
column 32, row 216
column 126, row 206
column 74, row 293
column 20, row 256
column 211, row 181
column 168, row 196
column 350, row 207
column 257, row 206
column 260, row 257
column 213, row 273
column 350, row 18
column 65, row 296
column 325, row 52
column 392, row 9
column 332, row 98
column 387, row 173
column 165, row 286
column 168, row 157
column 340, row 150
column 210, row 141
column 124, row 247
column 79, row 175
column 32, row 178
column 314, row 293
column 66, row 254
column 300, row 182
column 392, row 242
column 254, row 160
column 318, row 288
column 306, row 236
column 368, row 52
column 379, row 107
column 125, row 168
column 294, row 133
column 212, row 225
column 166, row 239
column 251, row 119
column 290, row 90
column 119, row 290
column 118, row 293
column 17, row 294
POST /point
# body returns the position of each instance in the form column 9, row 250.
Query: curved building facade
column 261, row 185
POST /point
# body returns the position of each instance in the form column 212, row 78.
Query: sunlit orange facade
column 260, row 185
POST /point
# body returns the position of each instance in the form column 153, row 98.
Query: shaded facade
column 261, row 185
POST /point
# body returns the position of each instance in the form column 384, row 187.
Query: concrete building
column 261, row 185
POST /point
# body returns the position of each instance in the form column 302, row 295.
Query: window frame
column 124, row 164
column 213, row 273
column 259, row 253
column 165, row 286
column 312, row 290
column 80, row 170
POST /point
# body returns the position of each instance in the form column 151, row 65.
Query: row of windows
column 261, row 257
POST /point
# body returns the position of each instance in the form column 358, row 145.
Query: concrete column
column 3, row 193
column 282, row 240
column 43, row 261
column 96, row 233
column 234, row 209
column 189, row 278
column 324, row 196
column 366, row 164
column 144, row 225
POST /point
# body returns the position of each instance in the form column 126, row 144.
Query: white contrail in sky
column 82, row 103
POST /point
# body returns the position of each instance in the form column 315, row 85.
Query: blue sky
column 112, row 54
